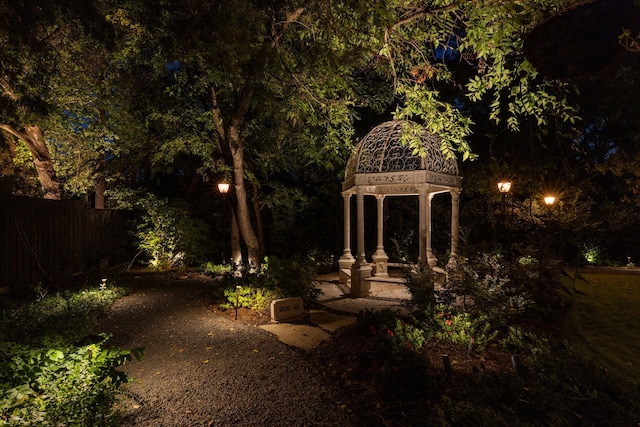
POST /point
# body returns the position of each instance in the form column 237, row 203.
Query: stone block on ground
column 286, row 309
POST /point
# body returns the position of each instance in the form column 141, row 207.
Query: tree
column 245, row 79
column 56, row 89
column 240, row 78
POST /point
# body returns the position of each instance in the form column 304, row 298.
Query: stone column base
column 381, row 265
column 345, row 263
column 359, row 286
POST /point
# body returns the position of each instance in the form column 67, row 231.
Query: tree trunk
column 33, row 137
column 236, row 247
column 242, row 208
column 99, row 194
column 258, row 213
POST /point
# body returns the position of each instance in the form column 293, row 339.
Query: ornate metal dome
column 384, row 150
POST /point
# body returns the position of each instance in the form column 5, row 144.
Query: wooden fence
column 50, row 241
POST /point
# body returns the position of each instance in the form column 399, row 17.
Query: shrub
column 47, row 378
column 459, row 327
column 249, row 297
column 275, row 279
column 69, row 316
column 325, row 262
column 421, row 284
column 405, row 371
column 212, row 269
column 168, row 235
column 60, row 384
column 519, row 341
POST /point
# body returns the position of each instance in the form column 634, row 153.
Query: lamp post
column 503, row 188
column 223, row 188
column 549, row 200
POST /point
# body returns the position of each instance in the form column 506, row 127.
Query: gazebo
column 383, row 164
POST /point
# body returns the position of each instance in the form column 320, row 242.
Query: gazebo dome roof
column 384, row 150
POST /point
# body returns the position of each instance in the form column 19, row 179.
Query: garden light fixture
column 504, row 187
column 223, row 187
column 549, row 200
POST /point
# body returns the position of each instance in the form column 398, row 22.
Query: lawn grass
column 605, row 322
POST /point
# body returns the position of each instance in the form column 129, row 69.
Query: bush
column 51, row 373
column 168, row 235
column 560, row 388
column 421, row 285
column 405, row 370
column 69, row 316
column 275, row 279
column 60, row 384
column 253, row 298
column 458, row 326
column 212, row 269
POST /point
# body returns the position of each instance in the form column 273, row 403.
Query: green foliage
column 488, row 38
column 517, row 340
column 60, row 384
column 274, row 279
column 421, row 285
column 459, row 327
column 167, row 233
column 51, row 372
column 490, row 284
column 255, row 298
column 325, row 262
column 562, row 388
column 69, row 316
column 592, row 253
column 406, row 368
column 555, row 384
column 216, row 269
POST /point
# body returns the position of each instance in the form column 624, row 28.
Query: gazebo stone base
column 380, row 260
column 360, row 286
column 345, row 263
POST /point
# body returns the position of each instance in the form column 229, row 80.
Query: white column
column 431, row 259
column 422, row 226
column 361, row 268
column 380, row 258
column 455, row 226
column 346, row 260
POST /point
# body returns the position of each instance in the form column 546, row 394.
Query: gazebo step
column 398, row 280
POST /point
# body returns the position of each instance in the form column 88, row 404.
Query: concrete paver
column 384, row 295
column 330, row 321
column 306, row 337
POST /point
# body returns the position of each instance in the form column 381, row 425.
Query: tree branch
column 243, row 107
column 291, row 17
column 6, row 87
column 215, row 112
column 11, row 130
column 422, row 12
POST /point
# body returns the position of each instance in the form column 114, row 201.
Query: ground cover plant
column 53, row 372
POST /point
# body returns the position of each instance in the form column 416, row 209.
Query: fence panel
column 50, row 241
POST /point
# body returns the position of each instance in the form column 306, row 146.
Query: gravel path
column 201, row 369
